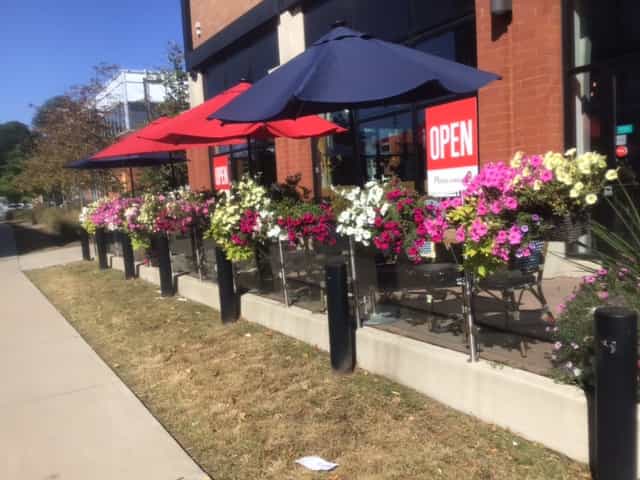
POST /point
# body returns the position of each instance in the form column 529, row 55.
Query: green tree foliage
column 15, row 144
column 175, row 80
column 67, row 127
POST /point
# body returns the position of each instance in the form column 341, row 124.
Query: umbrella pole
column 173, row 172
column 249, row 157
column 353, row 126
column 131, row 180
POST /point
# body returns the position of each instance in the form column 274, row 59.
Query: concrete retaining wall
column 530, row 405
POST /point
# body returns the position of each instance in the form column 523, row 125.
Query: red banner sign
column 451, row 145
column 221, row 177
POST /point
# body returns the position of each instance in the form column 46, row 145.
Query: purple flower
column 524, row 228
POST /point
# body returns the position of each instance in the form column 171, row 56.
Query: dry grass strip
column 246, row 402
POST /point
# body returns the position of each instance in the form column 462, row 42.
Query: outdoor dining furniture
column 429, row 282
column 508, row 287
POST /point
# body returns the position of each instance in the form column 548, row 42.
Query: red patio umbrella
column 192, row 126
column 132, row 146
column 135, row 143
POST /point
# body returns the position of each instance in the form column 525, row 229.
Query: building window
column 603, row 30
column 388, row 147
column 249, row 59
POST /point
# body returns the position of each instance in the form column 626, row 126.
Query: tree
column 175, row 81
column 15, row 144
column 67, row 127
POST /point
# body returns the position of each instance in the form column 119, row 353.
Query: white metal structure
column 128, row 99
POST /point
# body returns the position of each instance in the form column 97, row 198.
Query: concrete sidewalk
column 63, row 413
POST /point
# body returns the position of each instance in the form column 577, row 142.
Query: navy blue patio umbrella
column 129, row 161
column 349, row 69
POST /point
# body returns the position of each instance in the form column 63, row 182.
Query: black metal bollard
column 164, row 265
column 127, row 256
column 342, row 337
column 84, row 244
column 101, row 247
column 616, row 355
column 228, row 296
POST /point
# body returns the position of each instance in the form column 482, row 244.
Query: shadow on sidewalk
column 31, row 238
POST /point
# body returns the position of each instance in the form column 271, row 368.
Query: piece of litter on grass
column 515, row 444
column 316, row 464
column 182, row 299
column 247, row 334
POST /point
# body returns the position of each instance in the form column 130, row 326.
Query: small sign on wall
column 451, row 145
column 221, row 177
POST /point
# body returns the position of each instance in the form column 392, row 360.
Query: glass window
column 425, row 14
column 394, row 21
column 249, row 59
column 369, row 16
column 604, row 30
column 457, row 44
column 335, row 156
column 387, row 145
column 262, row 164
column 590, row 99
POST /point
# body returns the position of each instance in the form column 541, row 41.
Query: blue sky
column 46, row 46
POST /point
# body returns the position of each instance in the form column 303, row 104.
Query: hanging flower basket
column 567, row 228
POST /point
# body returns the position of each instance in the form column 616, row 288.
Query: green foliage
column 573, row 356
column 15, row 143
column 175, row 80
column 161, row 178
column 616, row 283
column 289, row 207
column 68, row 127
column 621, row 247
column 61, row 221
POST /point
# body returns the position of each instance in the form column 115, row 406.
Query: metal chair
column 523, row 275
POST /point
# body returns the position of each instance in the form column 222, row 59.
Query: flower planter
column 84, row 244
column 164, row 264
column 127, row 256
column 101, row 247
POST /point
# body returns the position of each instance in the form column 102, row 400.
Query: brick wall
column 292, row 157
column 214, row 15
column 524, row 110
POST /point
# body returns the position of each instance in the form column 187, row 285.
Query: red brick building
column 567, row 68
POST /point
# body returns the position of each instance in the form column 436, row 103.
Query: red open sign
column 451, row 145
column 221, row 177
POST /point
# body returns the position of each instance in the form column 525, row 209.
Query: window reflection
column 336, row 163
column 387, row 145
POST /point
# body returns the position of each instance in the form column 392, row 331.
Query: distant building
column 129, row 100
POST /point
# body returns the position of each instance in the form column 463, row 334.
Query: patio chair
column 434, row 281
column 304, row 268
column 523, row 275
